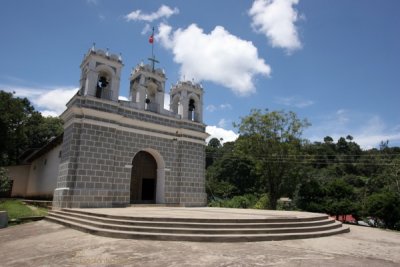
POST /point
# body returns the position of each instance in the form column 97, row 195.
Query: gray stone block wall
column 68, row 165
column 192, row 168
column 95, row 172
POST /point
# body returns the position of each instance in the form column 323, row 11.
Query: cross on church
column 153, row 61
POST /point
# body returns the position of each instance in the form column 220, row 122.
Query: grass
column 16, row 209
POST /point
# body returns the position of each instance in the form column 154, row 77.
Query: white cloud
column 276, row 20
column 164, row 35
column 163, row 11
column 123, row 98
column 55, row 99
column 146, row 29
column 294, row 101
column 49, row 113
column 367, row 130
column 49, row 102
column 217, row 132
column 222, row 123
column 225, row 106
column 167, row 101
column 342, row 117
column 219, row 57
column 212, row 108
column 368, row 141
column 92, row 2
column 373, row 131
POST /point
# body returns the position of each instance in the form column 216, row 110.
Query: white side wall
column 43, row 174
column 19, row 174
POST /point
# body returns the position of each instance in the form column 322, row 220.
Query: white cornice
column 116, row 104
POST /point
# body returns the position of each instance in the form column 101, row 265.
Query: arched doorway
column 144, row 178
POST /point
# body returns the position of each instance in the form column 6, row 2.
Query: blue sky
column 335, row 63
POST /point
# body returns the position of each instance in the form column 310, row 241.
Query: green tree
column 214, row 142
column 328, row 140
column 21, row 127
column 41, row 129
column 384, row 206
column 391, row 175
column 14, row 114
column 5, row 181
column 340, row 199
column 212, row 151
column 273, row 141
column 310, row 196
column 234, row 173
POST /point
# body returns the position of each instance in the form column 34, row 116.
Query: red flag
column 151, row 39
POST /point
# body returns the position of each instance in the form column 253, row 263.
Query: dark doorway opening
column 144, row 178
column 148, row 186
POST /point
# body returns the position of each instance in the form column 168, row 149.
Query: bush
column 239, row 202
column 5, row 182
column 385, row 207
column 285, row 205
column 262, row 203
column 310, row 196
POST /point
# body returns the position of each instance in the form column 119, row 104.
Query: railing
column 153, row 107
column 106, row 94
column 103, row 93
column 194, row 116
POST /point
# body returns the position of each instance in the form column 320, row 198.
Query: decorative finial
column 120, row 56
column 107, row 53
column 93, row 47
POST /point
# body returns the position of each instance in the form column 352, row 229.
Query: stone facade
column 102, row 137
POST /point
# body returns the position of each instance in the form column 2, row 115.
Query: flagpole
column 152, row 44
column 152, row 58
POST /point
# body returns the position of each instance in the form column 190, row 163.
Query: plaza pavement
column 44, row 243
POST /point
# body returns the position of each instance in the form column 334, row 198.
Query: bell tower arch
column 100, row 74
column 147, row 88
column 187, row 101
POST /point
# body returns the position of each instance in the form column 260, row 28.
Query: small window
column 45, row 162
column 59, row 154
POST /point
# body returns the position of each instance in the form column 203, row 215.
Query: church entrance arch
column 147, row 177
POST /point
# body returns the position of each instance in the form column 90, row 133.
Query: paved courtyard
column 44, row 243
column 201, row 213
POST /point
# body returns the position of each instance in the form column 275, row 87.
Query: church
column 114, row 153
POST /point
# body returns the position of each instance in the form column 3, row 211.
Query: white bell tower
column 147, row 88
column 100, row 74
column 187, row 101
column 147, row 84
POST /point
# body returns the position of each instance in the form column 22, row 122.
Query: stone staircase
column 197, row 229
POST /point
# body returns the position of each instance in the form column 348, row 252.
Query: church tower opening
column 100, row 75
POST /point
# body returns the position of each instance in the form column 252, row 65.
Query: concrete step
column 143, row 205
column 193, row 224
column 198, row 229
column 194, row 237
column 202, row 220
